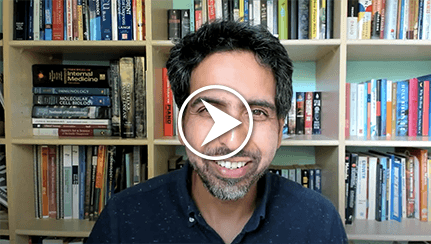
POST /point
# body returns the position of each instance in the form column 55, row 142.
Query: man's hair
column 222, row 36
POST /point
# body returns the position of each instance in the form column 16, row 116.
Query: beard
column 228, row 188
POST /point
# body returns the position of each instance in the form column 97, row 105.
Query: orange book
column 100, row 171
column 45, row 203
column 389, row 109
column 168, row 109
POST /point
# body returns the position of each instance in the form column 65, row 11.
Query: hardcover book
column 300, row 107
column 127, row 97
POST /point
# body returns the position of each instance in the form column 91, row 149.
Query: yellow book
column 139, row 21
column 282, row 20
column 313, row 23
column 241, row 10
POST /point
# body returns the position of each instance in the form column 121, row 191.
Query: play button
column 222, row 122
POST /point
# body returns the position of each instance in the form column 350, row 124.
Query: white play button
column 222, row 122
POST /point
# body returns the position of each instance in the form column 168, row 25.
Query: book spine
column 300, row 106
column 19, row 19
column 426, row 20
column 96, row 24
column 112, row 155
column 69, row 20
column 293, row 19
column 136, row 165
column 318, row 180
column 48, row 20
column 322, row 20
column 65, row 100
column 70, row 76
column 275, row 17
column 420, row 107
column 360, row 130
column 52, row 173
column 313, row 19
column 378, row 213
column 376, row 18
column 71, row 126
column 75, row 132
column 185, row 22
column 406, row 23
column 426, row 108
column 218, row 6
column 225, row 10
column 36, row 180
column 373, row 108
column 292, row 117
column 263, row 14
column 88, row 166
column 394, row 108
column 80, row 20
column 391, row 19
column 211, row 10
column 382, row 18
column 168, row 128
column 389, row 108
column 256, row 12
column 106, row 20
column 413, row 107
column 347, row 112
column 68, row 173
column 75, row 27
column 89, row 112
column 368, row 108
column 134, row 19
column 75, row 182
column 269, row 16
column 383, row 107
column 174, row 26
column 82, row 178
column 282, row 20
column 70, row 91
column 420, row 19
column 58, row 182
column 114, row 20
column 303, row 13
column 42, row 20
column 116, row 101
column 68, row 122
column 396, row 186
column 140, row 97
column 378, row 107
column 402, row 108
column 29, row 20
column 361, row 189
column 93, row 182
column 353, row 181
column 410, row 188
column 372, row 190
column 57, row 19
column 353, row 109
column 45, row 197
column 99, row 178
column 86, row 19
column 36, row 12
column 317, row 113
column 198, row 14
column 329, row 19
column 423, row 181
column 127, row 97
column 364, row 19
column 383, row 163
column 308, row 126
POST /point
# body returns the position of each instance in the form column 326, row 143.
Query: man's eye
column 259, row 113
column 203, row 110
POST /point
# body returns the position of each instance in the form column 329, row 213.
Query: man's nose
column 235, row 137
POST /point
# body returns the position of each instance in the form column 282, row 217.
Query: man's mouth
column 231, row 165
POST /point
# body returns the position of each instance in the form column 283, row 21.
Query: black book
column 174, row 24
column 352, row 188
column 263, row 14
column 293, row 19
column 317, row 113
column 329, row 19
column 346, row 181
column 20, row 25
column 93, row 193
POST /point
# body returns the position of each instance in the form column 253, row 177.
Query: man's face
column 230, row 179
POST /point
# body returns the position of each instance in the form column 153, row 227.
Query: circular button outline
column 250, row 118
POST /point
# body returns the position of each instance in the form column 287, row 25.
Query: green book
column 282, row 20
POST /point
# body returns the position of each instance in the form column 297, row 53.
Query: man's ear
column 280, row 132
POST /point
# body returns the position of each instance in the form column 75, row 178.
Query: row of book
column 389, row 19
column 309, row 176
column 74, row 100
column 79, row 20
column 304, row 116
column 286, row 19
column 75, row 182
column 56, row 240
column 3, row 183
column 388, row 186
column 381, row 107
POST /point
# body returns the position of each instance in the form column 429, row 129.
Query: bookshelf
column 329, row 58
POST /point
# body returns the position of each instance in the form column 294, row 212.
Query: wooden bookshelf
column 329, row 57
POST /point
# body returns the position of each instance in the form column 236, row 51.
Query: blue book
column 390, row 158
column 420, row 19
column 95, row 20
column 401, row 33
column 396, row 189
column 71, row 91
column 106, row 20
column 383, row 106
column 30, row 21
column 125, row 20
column 383, row 163
column 48, row 20
column 246, row 14
column 402, row 108
column 367, row 100
column 82, row 168
column 420, row 107
column 42, row 20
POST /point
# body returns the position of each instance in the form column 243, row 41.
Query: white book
column 406, row 19
column 250, row 11
column 426, row 18
column 404, row 186
column 75, row 182
column 69, row 19
column 36, row 20
column 256, row 12
column 353, row 109
column 388, row 101
column 352, row 28
column 360, row 110
column 364, row 20
column 373, row 115
column 417, row 188
column 67, row 177
column 372, row 182
column 114, row 20
column 270, row 15
column 361, row 188
column 218, row 9
column 391, row 13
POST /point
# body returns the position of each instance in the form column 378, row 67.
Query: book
column 413, row 106
column 364, row 19
column 140, row 97
column 300, row 107
column 168, row 128
column 72, row 132
column 127, row 97
column 352, row 19
column 57, row 19
column 106, row 19
column 44, row 168
column 124, row 20
column 402, row 108
column 70, row 91
column 317, row 113
column 185, row 22
column 353, row 163
column 361, row 209
column 174, row 24
column 292, row 117
column 282, row 19
column 70, row 100
column 66, row 112
column 67, row 184
column 308, row 120
column 75, row 182
column 52, row 181
column 116, row 97
column 293, row 19
column 303, row 13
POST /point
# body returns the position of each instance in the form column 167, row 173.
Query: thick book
column 300, row 107
column 425, row 110
column 329, row 19
column 66, row 112
column 20, row 27
column 75, row 182
column 185, row 22
column 420, row 107
column 57, row 20
column 140, row 97
column 127, row 97
column 389, row 108
column 125, row 20
column 48, row 20
column 361, row 208
column 72, row 132
column 198, row 14
column 174, row 24
column 68, row 122
column 99, row 180
column 48, row 75
column 352, row 188
column 413, row 107
column 383, row 107
column 390, row 30
column 314, row 21
column 70, row 100
column 114, row 83
column 402, row 108
column 168, row 121
column 211, row 10
column 376, row 18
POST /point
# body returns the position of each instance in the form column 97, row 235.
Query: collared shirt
column 161, row 210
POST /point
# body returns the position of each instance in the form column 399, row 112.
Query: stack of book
column 304, row 116
column 75, row 182
column 79, row 20
column 71, row 100
column 381, row 107
column 309, row 176
column 286, row 19
column 388, row 186
column 389, row 19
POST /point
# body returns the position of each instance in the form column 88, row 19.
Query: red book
column 57, row 20
column 382, row 19
column 347, row 113
column 211, row 10
column 52, row 177
column 198, row 14
column 426, row 108
column 168, row 123
column 308, row 113
column 75, row 19
column 413, row 107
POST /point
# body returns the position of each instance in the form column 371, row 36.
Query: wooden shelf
column 407, row 230
column 53, row 227
column 309, row 140
column 2, row 140
column 168, row 140
column 381, row 141
column 298, row 50
column 46, row 140
column 388, row 50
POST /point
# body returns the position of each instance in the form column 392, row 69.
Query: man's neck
column 220, row 214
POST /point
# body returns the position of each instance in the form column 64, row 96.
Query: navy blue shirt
column 161, row 210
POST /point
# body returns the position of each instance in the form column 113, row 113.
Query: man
column 233, row 200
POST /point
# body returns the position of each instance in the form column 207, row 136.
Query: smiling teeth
column 231, row 165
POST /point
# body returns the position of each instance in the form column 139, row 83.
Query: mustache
column 256, row 155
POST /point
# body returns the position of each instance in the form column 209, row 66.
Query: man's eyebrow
column 262, row 103
column 208, row 100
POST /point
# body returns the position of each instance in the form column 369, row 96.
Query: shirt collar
column 190, row 209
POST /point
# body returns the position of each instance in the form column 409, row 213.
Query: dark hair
column 220, row 36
